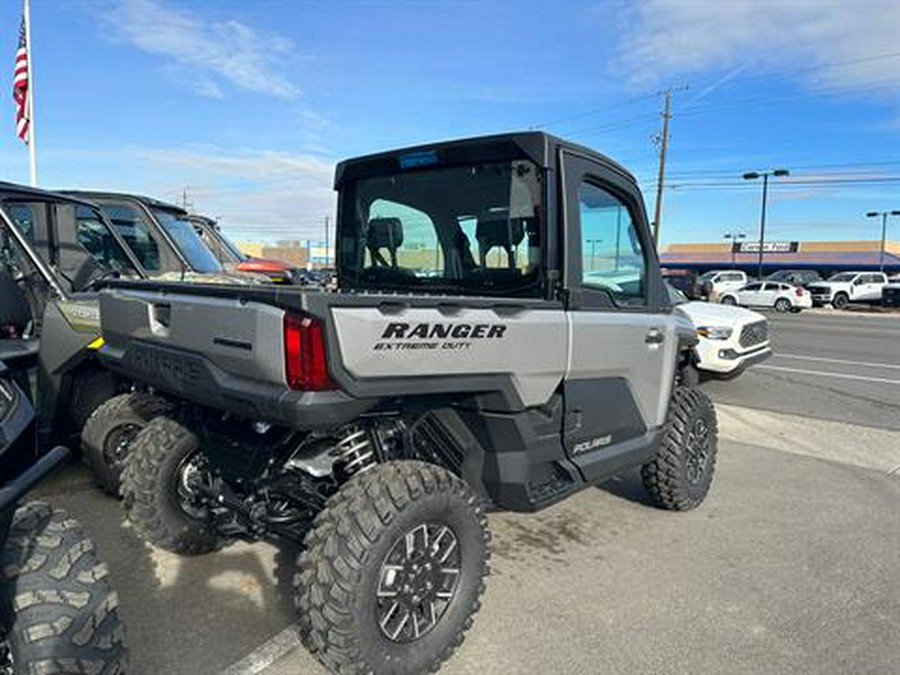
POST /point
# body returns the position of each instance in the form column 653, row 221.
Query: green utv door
column 623, row 344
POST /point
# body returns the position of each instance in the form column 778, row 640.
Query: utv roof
column 16, row 192
column 103, row 195
column 539, row 147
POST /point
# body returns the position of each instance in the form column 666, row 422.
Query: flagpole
column 32, row 143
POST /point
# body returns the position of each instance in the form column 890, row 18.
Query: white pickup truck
column 846, row 287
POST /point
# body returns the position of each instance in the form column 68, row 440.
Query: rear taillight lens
column 799, row 291
column 305, row 362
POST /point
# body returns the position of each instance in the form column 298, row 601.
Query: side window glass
column 401, row 237
column 23, row 218
column 136, row 233
column 612, row 257
column 96, row 238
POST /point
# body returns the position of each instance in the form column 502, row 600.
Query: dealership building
column 824, row 256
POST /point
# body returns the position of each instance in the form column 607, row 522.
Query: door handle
column 655, row 336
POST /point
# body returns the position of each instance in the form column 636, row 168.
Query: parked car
column 683, row 280
column 890, row 292
column 233, row 259
column 847, row 287
column 163, row 240
column 712, row 284
column 795, row 277
column 780, row 296
column 731, row 339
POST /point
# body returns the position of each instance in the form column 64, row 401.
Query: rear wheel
column 840, row 301
column 783, row 305
column 58, row 613
column 679, row 477
column 393, row 571
column 107, row 435
column 158, row 485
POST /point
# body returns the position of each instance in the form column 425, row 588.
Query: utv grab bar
column 17, row 488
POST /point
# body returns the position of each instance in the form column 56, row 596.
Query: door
column 622, row 344
column 750, row 295
column 767, row 294
column 871, row 287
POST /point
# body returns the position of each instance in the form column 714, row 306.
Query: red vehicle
column 279, row 271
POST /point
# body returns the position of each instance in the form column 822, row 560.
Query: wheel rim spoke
column 417, row 582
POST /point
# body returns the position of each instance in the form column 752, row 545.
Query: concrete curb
column 867, row 447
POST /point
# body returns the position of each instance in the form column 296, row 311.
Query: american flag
column 20, row 87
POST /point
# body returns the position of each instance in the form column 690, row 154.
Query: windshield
column 843, row 276
column 470, row 229
column 706, row 276
column 198, row 255
column 224, row 250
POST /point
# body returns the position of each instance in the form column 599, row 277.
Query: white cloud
column 667, row 38
column 206, row 53
column 259, row 194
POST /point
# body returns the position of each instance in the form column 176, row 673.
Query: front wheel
column 679, row 477
column 58, row 612
column 728, row 300
column 393, row 571
column 783, row 305
column 840, row 301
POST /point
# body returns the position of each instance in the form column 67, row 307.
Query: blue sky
column 249, row 104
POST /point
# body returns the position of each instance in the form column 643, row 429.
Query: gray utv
column 501, row 337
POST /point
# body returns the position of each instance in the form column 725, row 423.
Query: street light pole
column 884, row 216
column 753, row 175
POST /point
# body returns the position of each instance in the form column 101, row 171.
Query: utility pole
column 185, row 204
column 663, row 148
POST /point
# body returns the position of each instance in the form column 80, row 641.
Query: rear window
column 469, row 229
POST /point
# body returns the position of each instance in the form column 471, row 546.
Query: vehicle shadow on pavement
column 183, row 615
column 628, row 485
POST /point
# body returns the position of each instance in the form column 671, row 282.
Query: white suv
column 712, row 284
column 848, row 287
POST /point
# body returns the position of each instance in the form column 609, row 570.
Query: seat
column 15, row 313
column 506, row 234
column 384, row 233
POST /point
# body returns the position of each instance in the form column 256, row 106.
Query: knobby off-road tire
column 58, row 613
column 679, row 477
column 108, row 433
column 151, row 482
column 345, row 579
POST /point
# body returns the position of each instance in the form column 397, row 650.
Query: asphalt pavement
column 842, row 366
column 789, row 567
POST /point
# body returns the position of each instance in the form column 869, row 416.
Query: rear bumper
column 192, row 377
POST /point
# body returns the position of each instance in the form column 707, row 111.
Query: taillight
column 305, row 364
column 799, row 290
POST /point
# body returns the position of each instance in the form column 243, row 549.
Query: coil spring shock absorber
column 353, row 451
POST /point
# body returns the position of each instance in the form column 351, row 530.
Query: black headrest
column 506, row 232
column 384, row 233
column 14, row 310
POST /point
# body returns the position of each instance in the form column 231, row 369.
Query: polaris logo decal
column 400, row 335
column 593, row 444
